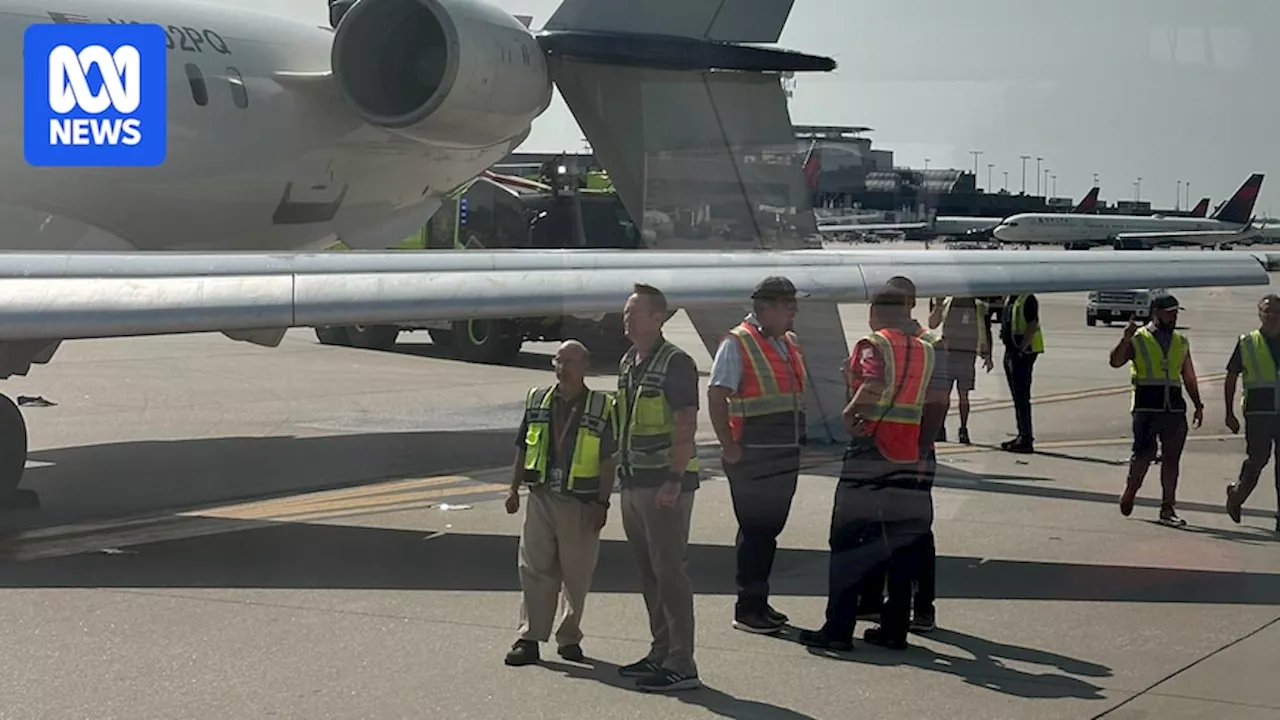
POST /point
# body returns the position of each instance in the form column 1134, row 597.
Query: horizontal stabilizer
column 732, row 21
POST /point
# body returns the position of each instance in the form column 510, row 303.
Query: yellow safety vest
column 1020, row 324
column 1260, row 373
column 646, row 423
column 980, row 309
column 584, row 470
column 1152, row 368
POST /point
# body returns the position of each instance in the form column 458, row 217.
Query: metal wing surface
column 90, row 295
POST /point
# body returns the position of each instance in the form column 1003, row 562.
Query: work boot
column 1126, row 501
column 1233, row 506
column 524, row 652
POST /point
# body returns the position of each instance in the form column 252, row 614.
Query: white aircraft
column 1231, row 223
column 284, row 136
column 946, row 225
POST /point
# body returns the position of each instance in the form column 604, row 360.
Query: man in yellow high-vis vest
column 1257, row 357
column 1160, row 366
column 657, row 406
column 1023, row 343
column 566, row 457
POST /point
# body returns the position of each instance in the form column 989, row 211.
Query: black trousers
column 762, row 485
column 871, row 597
column 879, row 528
column 1262, row 441
column 1018, row 369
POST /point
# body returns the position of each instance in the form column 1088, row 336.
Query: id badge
column 557, row 475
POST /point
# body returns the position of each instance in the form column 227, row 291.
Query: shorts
column 1170, row 428
column 962, row 370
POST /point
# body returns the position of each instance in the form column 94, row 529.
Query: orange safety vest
column 895, row 420
column 768, row 386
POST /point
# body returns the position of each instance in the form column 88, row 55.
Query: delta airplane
column 282, row 136
column 945, row 225
column 1232, row 223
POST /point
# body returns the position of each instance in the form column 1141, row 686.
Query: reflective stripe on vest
column 1152, row 367
column 1020, row 324
column 768, row 385
column 584, row 470
column 1259, row 369
column 895, row 419
column 646, row 423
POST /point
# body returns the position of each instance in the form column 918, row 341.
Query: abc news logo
column 94, row 95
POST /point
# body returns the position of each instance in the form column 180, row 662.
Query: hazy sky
column 1165, row 90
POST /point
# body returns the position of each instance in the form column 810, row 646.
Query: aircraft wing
column 92, row 295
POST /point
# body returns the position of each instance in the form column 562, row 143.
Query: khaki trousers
column 659, row 537
column 558, row 549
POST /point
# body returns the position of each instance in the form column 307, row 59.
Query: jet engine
column 456, row 73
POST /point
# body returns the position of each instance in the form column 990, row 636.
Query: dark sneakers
column 822, row 641
column 877, row 636
column 775, row 616
column 572, row 653
column 643, row 668
column 668, row 681
column 524, row 652
column 759, row 622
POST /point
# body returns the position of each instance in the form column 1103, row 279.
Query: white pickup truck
column 1120, row 305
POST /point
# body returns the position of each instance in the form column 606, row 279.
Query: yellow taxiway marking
column 396, row 495
column 1074, row 395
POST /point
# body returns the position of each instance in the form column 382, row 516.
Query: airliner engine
column 456, row 73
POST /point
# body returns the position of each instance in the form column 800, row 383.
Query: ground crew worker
column 966, row 328
column 1255, row 357
column 881, row 514
column 1023, row 343
column 566, row 457
column 1160, row 358
column 937, row 403
column 658, row 417
column 757, row 405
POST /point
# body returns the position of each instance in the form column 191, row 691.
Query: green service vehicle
column 501, row 211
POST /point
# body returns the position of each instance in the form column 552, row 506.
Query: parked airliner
column 1232, row 223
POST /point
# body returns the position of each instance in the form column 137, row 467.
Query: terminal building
column 852, row 175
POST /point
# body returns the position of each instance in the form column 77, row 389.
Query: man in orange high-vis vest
column 757, row 406
column 882, row 512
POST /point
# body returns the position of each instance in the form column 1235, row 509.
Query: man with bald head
column 566, row 456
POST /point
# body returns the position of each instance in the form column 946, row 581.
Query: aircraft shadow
column 137, row 477
column 277, row 555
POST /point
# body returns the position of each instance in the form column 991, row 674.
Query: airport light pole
column 1137, row 190
column 926, row 163
column 1046, row 181
column 976, row 154
column 1038, row 159
column 1025, row 158
column 1095, row 179
column 989, row 167
column 1188, row 190
column 1006, row 181
column 1055, row 186
column 1177, row 199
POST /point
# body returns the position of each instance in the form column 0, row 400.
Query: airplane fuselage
column 263, row 151
column 1064, row 228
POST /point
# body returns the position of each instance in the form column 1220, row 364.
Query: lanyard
column 562, row 432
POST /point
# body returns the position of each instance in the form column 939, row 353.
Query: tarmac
column 318, row 532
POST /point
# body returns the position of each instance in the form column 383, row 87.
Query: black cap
column 776, row 287
column 1165, row 302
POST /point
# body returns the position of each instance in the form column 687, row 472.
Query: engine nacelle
column 457, row 73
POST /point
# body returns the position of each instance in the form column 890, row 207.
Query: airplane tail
column 1239, row 209
column 1088, row 204
column 693, row 127
column 1201, row 209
